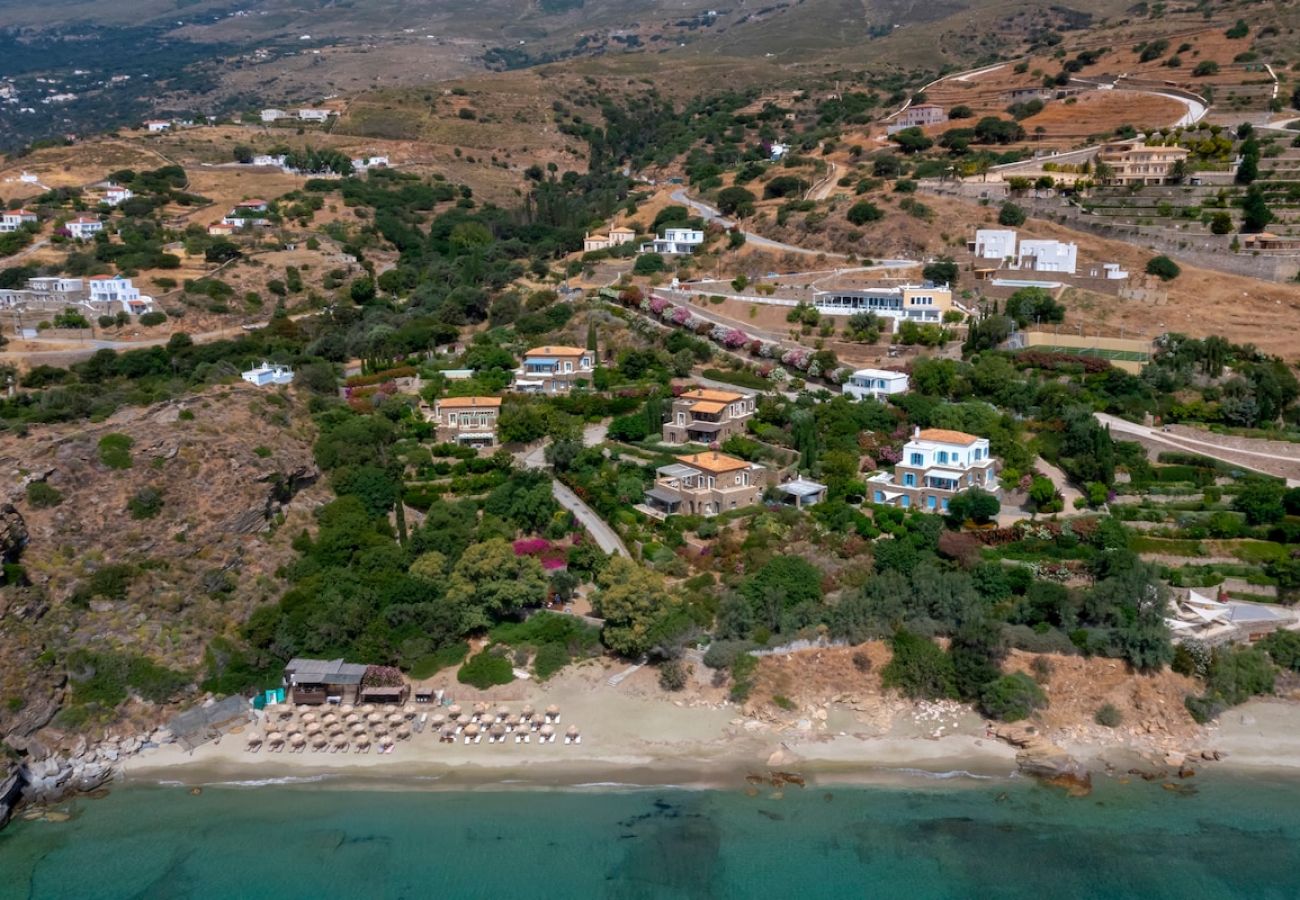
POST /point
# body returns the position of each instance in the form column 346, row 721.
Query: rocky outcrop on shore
column 1043, row 760
column 47, row 777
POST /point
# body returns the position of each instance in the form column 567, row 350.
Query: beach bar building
column 317, row 681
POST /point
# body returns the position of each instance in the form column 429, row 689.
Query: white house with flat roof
column 994, row 243
column 1049, row 256
column 268, row 374
column 874, row 384
column 115, row 194
column 920, row 303
column 675, row 240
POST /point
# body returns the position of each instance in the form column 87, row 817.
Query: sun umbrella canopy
column 395, row 718
column 319, row 740
column 573, row 731
column 547, row 730
column 404, row 731
column 498, row 729
column 464, row 718
column 374, row 718
column 309, row 717
column 471, row 730
column 330, row 718
column 255, row 738
column 480, row 708
column 315, row 727
column 437, row 720
column 340, row 741
column 390, row 707
column 347, row 708
column 552, row 710
column 363, row 740
column 454, row 710
column 358, row 728
column 409, row 710
column 386, row 741
column 502, row 712
column 528, row 710
column 352, row 718
column 448, row 730
column 297, row 739
column 275, row 736
column 367, row 709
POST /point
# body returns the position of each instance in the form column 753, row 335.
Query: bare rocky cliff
column 151, row 558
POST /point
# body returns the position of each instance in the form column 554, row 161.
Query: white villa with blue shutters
column 937, row 465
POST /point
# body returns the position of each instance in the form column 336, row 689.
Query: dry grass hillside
column 215, row 474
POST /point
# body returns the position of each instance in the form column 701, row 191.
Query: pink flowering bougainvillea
column 531, row 546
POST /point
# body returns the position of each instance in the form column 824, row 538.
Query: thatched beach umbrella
column 340, row 742
column 315, row 727
column 437, row 720
column 358, row 728
column 319, row 742
column 403, row 732
column 480, row 709
column 254, row 738
column 297, row 739
column 409, row 710
column 538, row 721
column 367, row 709
column 352, row 718
column 363, row 740
column 396, row 718
column 448, row 733
column 329, row 718
column 274, row 737
column 464, row 719
column 502, row 712
column 471, row 730
column 527, row 711
column 379, row 730
column 498, row 732
column 285, row 712
column 454, row 710
column 553, row 713
column 374, row 718
column 346, row 708
column 571, row 733
column 336, row 729
column 512, row 722
column 308, row 717
column 390, row 708
column 547, row 732
column 386, row 741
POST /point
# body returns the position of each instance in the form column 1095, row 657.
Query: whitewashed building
column 268, row 374
column 993, row 243
column 937, row 465
column 83, row 228
column 116, row 194
column 674, row 241
column 105, row 290
column 875, row 384
column 1049, row 256
column 14, row 219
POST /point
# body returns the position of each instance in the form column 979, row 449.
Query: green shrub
column 115, row 451
column 1163, row 268
column 919, row 668
column 1284, row 649
column 485, row 670
column 445, row 658
column 550, row 659
column 742, row 676
column 721, row 654
column 145, row 503
column 1012, row 697
column 672, row 675
column 1108, row 716
column 110, row 582
column 149, row 319
column 42, row 495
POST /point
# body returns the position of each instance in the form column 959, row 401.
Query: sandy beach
column 635, row 734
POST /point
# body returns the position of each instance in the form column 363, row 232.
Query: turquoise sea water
column 1234, row 837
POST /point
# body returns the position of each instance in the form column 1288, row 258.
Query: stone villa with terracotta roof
column 553, row 369
column 937, row 465
column 705, row 416
column 470, row 421
column 615, row 238
column 704, row 484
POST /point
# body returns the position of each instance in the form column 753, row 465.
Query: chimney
column 916, row 432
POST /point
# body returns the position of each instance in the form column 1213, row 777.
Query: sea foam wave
column 945, row 776
column 269, row 782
